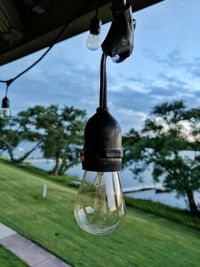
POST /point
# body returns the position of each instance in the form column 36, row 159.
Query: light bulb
column 5, row 113
column 100, row 207
column 93, row 42
column 5, row 108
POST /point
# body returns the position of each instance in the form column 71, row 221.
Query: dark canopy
column 30, row 25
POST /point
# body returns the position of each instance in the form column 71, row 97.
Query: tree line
column 56, row 131
column 169, row 142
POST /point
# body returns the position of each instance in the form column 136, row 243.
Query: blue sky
column 164, row 66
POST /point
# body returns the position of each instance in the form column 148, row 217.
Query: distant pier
column 133, row 189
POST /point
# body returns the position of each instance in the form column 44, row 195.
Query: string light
column 93, row 41
column 5, row 112
column 99, row 208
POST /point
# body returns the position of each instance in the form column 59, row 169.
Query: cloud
column 171, row 80
column 164, row 87
column 175, row 60
column 66, row 82
column 70, row 75
column 172, row 59
column 128, row 118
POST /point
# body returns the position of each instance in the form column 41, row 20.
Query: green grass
column 7, row 259
column 180, row 216
column 177, row 215
column 61, row 179
column 144, row 240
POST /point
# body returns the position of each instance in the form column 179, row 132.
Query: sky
column 164, row 66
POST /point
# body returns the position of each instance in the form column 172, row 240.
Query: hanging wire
column 6, row 90
column 97, row 7
column 103, row 83
column 76, row 15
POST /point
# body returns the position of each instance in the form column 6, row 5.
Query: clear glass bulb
column 5, row 113
column 93, row 42
column 100, row 207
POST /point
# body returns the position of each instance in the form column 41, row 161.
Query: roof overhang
column 26, row 27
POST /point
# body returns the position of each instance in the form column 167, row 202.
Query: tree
column 9, row 138
column 20, row 128
column 170, row 143
column 63, row 131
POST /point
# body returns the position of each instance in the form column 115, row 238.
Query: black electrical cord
column 79, row 12
column 6, row 90
column 97, row 7
column 103, row 83
column 8, row 82
column 118, row 3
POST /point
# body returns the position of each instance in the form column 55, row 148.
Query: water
column 127, row 180
column 165, row 198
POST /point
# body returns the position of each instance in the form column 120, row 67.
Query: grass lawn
column 144, row 240
column 174, row 214
column 7, row 259
column 178, row 215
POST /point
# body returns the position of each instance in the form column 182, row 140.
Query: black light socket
column 102, row 150
column 95, row 25
column 5, row 102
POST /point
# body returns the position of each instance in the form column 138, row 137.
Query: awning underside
column 27, row 26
